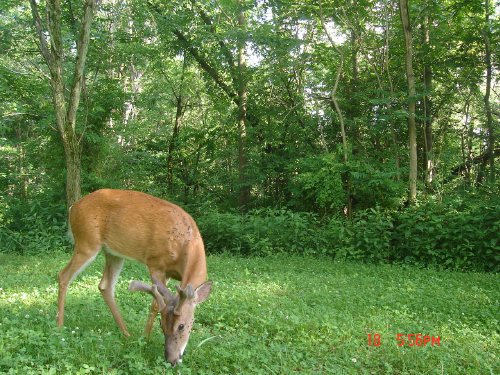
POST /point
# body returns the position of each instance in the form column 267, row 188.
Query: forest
column 362, row 130
column 339, row 157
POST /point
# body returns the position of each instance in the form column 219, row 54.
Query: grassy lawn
column 266, row 315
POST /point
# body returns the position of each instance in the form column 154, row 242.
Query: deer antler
column 162, row 288
column 139, row 286
column 184, row 294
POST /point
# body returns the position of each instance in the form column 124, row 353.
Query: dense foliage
column 460, row 234
column 281, row 125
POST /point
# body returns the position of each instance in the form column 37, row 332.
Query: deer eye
column 181, row 327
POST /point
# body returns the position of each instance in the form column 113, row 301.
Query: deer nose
column 176, row 361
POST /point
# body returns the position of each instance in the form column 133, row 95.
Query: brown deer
column 138, row 226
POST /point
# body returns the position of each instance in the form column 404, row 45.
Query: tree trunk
column 179, row 113
column 487, row 105
column 466, row 141
column 65, row 112
column 72, row 153
column 412, row 132
column 395, row 146
column 428, row 141
column 173, row 141
column 244, row 187
column 236, row 92
column 353, row 109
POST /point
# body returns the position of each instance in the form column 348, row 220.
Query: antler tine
column 162, row 288
column 159, row 298
column 187, row 292
column 139, row 286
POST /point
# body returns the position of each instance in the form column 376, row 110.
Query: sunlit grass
column 266, row 315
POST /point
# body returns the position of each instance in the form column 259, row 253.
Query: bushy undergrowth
column 32, row 227
column 261, row 232
column 441, row 235
column 458, row 234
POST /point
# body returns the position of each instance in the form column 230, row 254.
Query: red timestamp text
column 404, row 339
column 417, row 339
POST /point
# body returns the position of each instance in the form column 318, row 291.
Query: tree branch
column 475, row 160
column 82, row 46
column 204, row 64
column 54, row 25
column 334, row 102
column 224, row 49
column 44, row 49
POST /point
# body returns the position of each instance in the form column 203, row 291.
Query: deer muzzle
column 173, row 354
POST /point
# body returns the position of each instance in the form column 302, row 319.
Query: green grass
column 275, row 315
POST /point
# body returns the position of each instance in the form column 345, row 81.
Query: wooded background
column 360, row 129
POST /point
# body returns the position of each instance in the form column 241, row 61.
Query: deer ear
column 202, row 292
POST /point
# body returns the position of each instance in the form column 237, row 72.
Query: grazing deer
column 138, row 226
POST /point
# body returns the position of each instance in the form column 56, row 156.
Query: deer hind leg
column 112, row 270
column 154, row 306
column 82, row 257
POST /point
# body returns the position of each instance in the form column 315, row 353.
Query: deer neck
column 195, row 272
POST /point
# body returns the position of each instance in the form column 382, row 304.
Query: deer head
column 176, row 311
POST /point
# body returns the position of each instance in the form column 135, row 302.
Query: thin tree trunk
column 487, row 105
column 244, row 187
column 428, row 141
column 353, row 90
column 412, row 132
column 173, row 142
column 466, row 142
column 237, row 92
column 395, row 145
column 179, row 113
column 72, row 151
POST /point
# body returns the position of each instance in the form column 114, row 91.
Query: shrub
column 317, row 183
column 371, row 235
column 33, row 227
column 262, row 232
column 458, row 235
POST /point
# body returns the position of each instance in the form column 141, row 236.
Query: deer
column 132, row 225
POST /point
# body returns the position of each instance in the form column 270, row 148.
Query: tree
column 487, row 105
column 227, row 69
column 65, row 106
column 428, row 157
column 335, row 105
column 410, row 77
column 244, row 186
column 237, row 97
